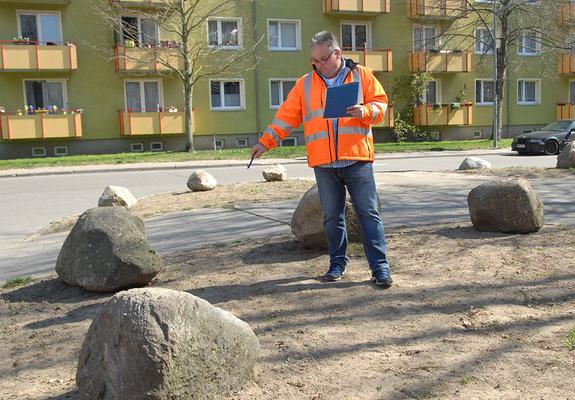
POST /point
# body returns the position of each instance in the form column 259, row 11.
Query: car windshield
column 559, row 126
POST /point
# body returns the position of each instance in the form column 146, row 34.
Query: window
column 283, row 35
column 224, row 33
column 40, row 26
column 45, row 94
column 279, row 90
column 289, row 142
column 484, row 91
column 431, row 93
column 572, row 92
column 483, row 41
column 528, row 91
column 157, row 146
column 354, row 36
column 38, row 152
column 242, row 142
column 219, row 144
column 529, row 44
column 143, row 96
column 136, row 147
column 226, row 95
column 60, row 151
column 140, row 31
column 424, row 38
column 477, row 134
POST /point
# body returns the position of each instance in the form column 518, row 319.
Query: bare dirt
column 471, row 315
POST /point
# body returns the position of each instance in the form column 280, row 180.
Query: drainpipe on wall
column 256, row 69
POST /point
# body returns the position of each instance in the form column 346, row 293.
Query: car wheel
column 551, row 147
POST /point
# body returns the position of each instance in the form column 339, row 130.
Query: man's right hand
column 258, row 150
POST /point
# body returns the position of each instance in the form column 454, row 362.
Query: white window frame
column 140, row 42
column 280, row 80
column 438, row 96
column 238, row 140
column 155, row 144
column 521, row 48
column 436, row 36
column 38, row 24
column 482, row 51
column 142, row 93
column 137, row 147
column 220, row 38
column 484, row 103
column 297, row 34
column 60, row 151
column 242, row 94
column 35, row 152
column 64, row 88
column 537, row 92
column 294, row 138
column 367, row 24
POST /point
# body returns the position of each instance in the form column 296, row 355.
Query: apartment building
column 70, row 84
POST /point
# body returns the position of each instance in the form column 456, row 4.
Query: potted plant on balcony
column 454, row 106
column 21, row 40
column 437, row 106
column 129, row 43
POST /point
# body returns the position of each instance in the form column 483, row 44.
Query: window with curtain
column 354, row 36
column 283, row 35
column 226, row 94
column 431, row 92
column 483, row 41
column 224, row 33
column 424, row 38
column 279, row 90
column 484, row 91
column 141, row 31
column 149, row 32
column 143, row 96
column 527, row 91
column 45, row 94
column 41, row 26
column 529, row 44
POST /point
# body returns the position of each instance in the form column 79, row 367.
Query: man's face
column 325, row 60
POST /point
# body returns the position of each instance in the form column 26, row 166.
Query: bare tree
column 194, row 49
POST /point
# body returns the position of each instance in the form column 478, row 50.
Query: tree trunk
column 188, row 129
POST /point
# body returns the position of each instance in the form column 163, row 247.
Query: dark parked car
column 551, row 139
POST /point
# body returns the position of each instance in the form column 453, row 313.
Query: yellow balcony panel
column 40, row 126
column 151, row 123
column 438, row 9
column 443, row 115
column 567, row 14
column 377, row 60
column 388, row 121
column 567, row 63
column 36, row 56
column 425, row 61
column 565, row 111
column 146, row 59
column 367, row 7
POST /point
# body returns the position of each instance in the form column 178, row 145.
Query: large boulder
column 107, row 250
column 275, row 173
column 474, row 163
column 566, row 159
column 307, row 221
column 155, row 343
column 200, row 181
column 510, row 206
column 117, row 196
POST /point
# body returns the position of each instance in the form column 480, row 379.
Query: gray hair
column 327, row 38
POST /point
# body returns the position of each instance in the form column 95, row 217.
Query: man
column 340, row 151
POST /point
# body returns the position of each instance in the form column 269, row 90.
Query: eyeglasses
column 322, row 61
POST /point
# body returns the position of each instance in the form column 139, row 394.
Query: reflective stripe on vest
column 316, row 136
column 313, row 114
column 283, row 125
column 273, row 134
column 354, row 130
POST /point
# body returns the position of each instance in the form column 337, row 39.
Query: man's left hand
column 355, row 111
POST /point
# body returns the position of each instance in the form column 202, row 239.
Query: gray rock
column 107, row 250
column 275, row 173
column 160, row 344
column 117, row 196
column 510, row 206
column 474, row 163
column 566, row 159
column 201, row 181
column 307, row 221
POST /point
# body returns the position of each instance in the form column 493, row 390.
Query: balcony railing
column 377, row 60
column 443, row 114
column 144, row 59
column 142, row 122
column 567, row 63
column 440, row 61
column 565, row 111
column 355, row 6
column 25, row 55
column 14, row 126
column 440, row 9
column 567, row 14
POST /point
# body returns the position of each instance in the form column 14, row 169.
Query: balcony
column 567, row 63
column 139, row 3
column 440, row 61
column 567, row 14
column 437, row 9
column 143, row 59
column 443, row 115
column 40, row 126
column 37, row 56
column 565, row 111
column 366, row 7
column 137, row 123
column 377, row 60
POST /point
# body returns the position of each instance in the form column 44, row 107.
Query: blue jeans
column 359, row 180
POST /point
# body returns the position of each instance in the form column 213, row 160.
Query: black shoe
column 335, row 272
column 381, row 279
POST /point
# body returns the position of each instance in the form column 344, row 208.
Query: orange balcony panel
column 424, row 61
column 440, row 9
column 377, row 60
column 565, row 111
column 567, row 63
column 373, row 7
column 151, row 123
column 36, row 57
column 146, row 59
column 429, row 115
column 567, row 14
column 40, row 126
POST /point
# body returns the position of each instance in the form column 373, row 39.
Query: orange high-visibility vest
column 305, row 103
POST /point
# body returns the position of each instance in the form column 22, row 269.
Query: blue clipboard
column 339, row 98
